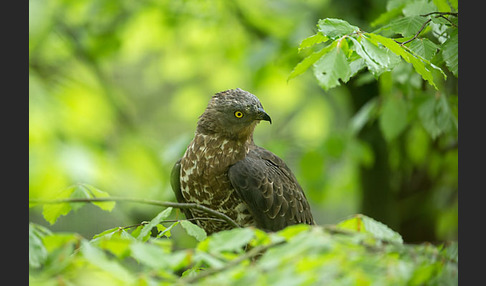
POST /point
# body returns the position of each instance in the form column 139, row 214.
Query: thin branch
column 441, row 14
column 448, row 20
column 133, row 225
column 194, row 219
column 207, row 210
column 250, row 254
column 172, row 221
column 416, row 34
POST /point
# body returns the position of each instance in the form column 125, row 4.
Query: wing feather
column 271, row 191
column 175, row 182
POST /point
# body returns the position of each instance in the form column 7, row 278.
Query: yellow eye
column 238, row 114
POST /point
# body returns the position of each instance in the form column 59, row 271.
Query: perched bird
column 224, row 170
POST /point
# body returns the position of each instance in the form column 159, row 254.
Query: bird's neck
column 228, row 150
column 240, row 136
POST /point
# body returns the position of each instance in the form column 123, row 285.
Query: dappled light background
column 116, row 88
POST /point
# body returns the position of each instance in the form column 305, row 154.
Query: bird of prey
column 224, row 170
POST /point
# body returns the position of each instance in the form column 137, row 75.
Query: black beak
column 262, row 115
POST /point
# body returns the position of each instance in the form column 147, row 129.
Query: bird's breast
column 204, row 169
column 204, row 175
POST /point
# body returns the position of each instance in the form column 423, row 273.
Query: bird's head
column 233, row 113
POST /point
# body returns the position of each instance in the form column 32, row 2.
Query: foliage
column 115, row 88
column 415, row 42
column 52, row 212
column 348, row 50
column 357, row 251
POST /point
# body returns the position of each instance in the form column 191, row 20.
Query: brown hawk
column 224, row 170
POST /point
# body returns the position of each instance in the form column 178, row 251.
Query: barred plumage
column 223, row 169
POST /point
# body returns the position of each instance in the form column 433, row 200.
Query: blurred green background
column 116, row 88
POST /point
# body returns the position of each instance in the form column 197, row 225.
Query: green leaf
column 85, row 191
column 79, row 192
column 230, row 240
column 60, row 240
column 136, row 232
column 388, row 43
column 312, row 40
column 406, row 26
column 332, row 67
column 146, row 229
column 387, row 16
column 263, row 238
column 454, row 4
column 37, row 250
column 61, row 249
column 393, row 119
column 436, row 116
column 418, row 64
column 424, row 48
column 419, row 7
column 307, row 62
column 208, row 259
column 393, row 4
column 107, row 232
column 442, row 5
column 373, row 67
column 365, row 224
column 150, row 255
column 451, row 251
column 450, row 52
column 293, row 230
column 377, row 59
column 165, row 231
column 96, row 193
column 422, row 69
column 52, row 212
column 118, row 244
column 97, row 257
column 441, row 22
column 194, row 230
column 335, row 28
column 383, row 56
column 356, row 63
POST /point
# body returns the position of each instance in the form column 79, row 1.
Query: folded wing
column 273, row 195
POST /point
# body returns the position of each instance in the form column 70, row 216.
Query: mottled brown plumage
column 223, row 169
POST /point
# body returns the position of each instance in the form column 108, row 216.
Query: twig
column 194, row 219
column 441, row 14
column 416, row 34
column 250, row 254
column 173, row 220
column 207, row 210
column 448, row 20
column 133, row 225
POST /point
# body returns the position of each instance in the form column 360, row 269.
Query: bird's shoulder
column 270, row 189
column 270, row 160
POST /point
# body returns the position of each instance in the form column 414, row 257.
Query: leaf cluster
column 115, row 88
column 409, row 47
column 414, row 38
column 348, row 49
column 52, row 212
column 358, row 250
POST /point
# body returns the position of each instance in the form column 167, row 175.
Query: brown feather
column 224, row 170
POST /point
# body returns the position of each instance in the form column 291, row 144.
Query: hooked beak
column 262, row 115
